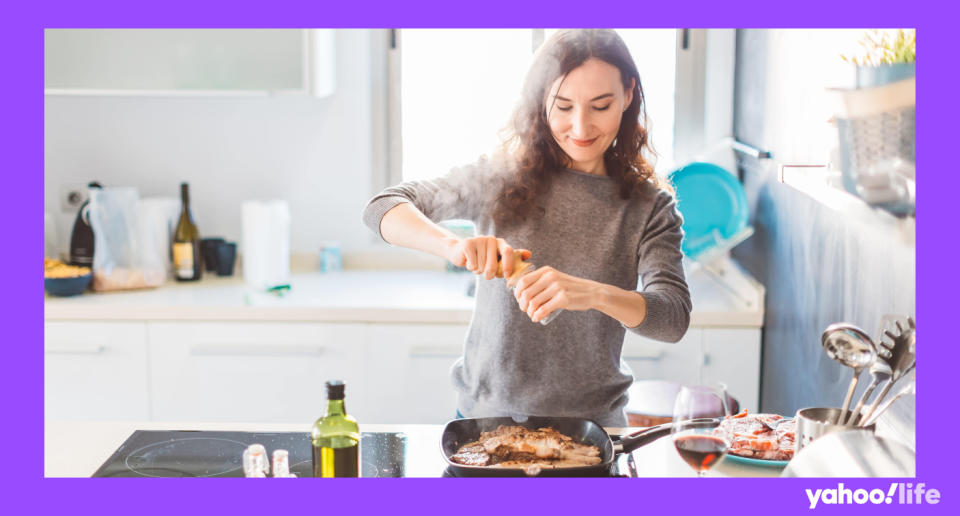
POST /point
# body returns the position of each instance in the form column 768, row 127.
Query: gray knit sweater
column 572, row 366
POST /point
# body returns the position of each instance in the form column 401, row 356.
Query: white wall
column 314, row 152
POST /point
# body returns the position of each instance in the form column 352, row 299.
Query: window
column 457, row 89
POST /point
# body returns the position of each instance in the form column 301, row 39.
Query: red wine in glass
column 697, row 412
column 701, row 452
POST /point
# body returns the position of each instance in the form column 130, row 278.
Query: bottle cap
column 335, row 389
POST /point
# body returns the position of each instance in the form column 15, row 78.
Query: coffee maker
column 81, row 239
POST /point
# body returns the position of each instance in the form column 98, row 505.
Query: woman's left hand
column 547, row 289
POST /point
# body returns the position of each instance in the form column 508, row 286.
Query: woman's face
column 584, row 110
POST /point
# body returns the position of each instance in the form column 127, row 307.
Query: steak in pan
column 519, row 447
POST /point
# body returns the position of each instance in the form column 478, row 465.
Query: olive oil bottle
column 336, row 438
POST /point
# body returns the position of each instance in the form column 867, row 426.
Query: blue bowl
column 67, row 286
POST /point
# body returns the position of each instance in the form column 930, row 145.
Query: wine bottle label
column 183, row 259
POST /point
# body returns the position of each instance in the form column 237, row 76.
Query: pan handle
column 631, row 442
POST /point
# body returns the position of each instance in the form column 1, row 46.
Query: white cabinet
column 653, row 360
column 95, row 370
column 257, row 372
column 703, row 355
column 190, row 61
column 275, row 371
column 408, row 372
column 732, row 356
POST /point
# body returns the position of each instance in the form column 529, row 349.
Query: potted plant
column 887, row 56
column 876, row 122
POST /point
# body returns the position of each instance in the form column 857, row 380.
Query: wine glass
column 697, row 412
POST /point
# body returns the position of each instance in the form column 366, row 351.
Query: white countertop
column 64, row 457
column 407, row 296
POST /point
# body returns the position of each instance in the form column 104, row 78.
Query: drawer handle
column 434, row 351
column 255, row 349
column 644, row 355
column 89, row 349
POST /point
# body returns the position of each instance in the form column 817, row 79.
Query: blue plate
column 713, row 204
column 757, row 462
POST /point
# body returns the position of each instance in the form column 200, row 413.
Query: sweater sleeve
column 460, row 194
column 661, row 274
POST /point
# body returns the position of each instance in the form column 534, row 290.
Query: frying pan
column 462, row 431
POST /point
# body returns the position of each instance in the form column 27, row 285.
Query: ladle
column 852, row 347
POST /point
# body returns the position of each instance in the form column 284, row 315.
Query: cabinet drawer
column 650, row 359
column 95, row 371
column 409, row 372
column 256, row 372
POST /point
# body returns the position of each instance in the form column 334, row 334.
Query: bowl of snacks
column 60, row 279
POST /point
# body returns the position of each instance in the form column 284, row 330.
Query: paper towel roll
column 265, row 243
column 159, row 216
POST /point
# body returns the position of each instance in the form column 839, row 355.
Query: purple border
column 23, row 314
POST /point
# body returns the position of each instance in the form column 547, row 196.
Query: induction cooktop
column 184, row 453
column 194, row 453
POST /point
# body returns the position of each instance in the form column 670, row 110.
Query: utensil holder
column 815, row 422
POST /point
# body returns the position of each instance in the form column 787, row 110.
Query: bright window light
column 458, row 88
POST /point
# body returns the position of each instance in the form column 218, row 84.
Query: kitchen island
column 63, row 457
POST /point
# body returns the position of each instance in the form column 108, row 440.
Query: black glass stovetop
column 185, row 453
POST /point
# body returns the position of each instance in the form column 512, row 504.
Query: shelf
column 824, row 185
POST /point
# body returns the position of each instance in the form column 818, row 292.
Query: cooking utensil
column 903, row 359
column 880, row 371
column 852, row 347
column 910, row 388
column 462, row 431
column 771, row 426
column 863, row 453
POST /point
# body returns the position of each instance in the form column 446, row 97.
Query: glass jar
column 520, row 270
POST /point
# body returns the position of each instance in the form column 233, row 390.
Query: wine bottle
column 336, row 438
column 187, row 263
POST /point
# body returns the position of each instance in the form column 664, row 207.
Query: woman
column 570, row 190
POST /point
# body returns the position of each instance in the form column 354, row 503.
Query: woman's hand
column 483, row 254
column 547, row 289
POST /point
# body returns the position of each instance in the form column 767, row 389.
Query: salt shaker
column 255, row 464
column 281, row 464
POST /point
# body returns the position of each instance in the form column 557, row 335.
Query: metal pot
column 816, row 422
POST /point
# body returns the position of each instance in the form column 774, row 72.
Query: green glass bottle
column 336, row 438
column 187, row 260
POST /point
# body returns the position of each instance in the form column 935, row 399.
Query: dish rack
column 876, row 129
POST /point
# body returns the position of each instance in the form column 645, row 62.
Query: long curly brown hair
column 530, row 142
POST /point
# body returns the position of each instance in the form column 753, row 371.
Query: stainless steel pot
column 815, row 422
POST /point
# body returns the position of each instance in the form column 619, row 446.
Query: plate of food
column 765, row 440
